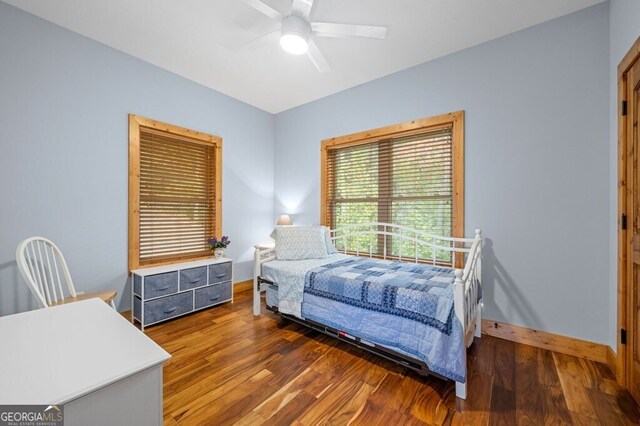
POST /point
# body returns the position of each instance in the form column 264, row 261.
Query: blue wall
column 540, row 127
column 537, row 175
column 625, row 29
column 64, row 101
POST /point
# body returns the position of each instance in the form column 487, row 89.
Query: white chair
column 41, row 263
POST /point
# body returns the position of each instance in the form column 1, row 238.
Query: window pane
column 422, row 167
column 356, row 213
column 170, row 229
column 355, row 173
column 431, row 216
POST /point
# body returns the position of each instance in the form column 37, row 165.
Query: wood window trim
column 623, row 372
column 453, row 119
column 135, row 123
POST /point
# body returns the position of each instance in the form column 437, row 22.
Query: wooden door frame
column 624, row 189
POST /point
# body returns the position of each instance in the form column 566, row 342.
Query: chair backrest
column 43, row 268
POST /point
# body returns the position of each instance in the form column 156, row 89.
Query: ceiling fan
column 297, row 32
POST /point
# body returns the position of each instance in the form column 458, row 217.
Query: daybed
column 419, row 312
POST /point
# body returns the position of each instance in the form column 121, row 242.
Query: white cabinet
column 86, row 357
column 165, row 292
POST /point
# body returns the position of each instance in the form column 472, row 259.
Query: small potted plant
column 218, row 245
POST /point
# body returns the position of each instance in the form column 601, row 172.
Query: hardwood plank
column 294, row 408
column 588, row 373
column 219, row 372
column 556, row 411
column 580, row 419
column 202, row 392
column 482, row 361
column 628, row 406
column 431, row 405
column 576, row 394
column 476, row 410
column 546, row 368
column 376, row 414
column 392, row 394
column 503, row 406
column 352, row 407
column 332, row 367
column 232, row 404
column 606, row 407
column 250, row 419
column 231, row 368
column 372, row 369
column 285, row 394
column 529, row 401
column 504, row 369
column 167, row 420
column 293, row 364
column 326, row 406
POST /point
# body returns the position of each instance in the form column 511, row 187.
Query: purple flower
column 221, row 243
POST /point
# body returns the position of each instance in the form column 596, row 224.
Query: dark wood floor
column 231, row 368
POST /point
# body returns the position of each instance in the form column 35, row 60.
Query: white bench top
column 55, row 355
column 143, row 272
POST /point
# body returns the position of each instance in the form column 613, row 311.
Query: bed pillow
column 331, row 248
column 300, row 242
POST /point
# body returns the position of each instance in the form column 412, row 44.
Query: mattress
column 289, row 277
column 405, row 307
column 272, row 295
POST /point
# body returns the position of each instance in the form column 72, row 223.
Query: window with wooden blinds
column 408, row 174
column 175, row 199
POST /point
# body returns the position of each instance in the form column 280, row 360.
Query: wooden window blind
column 175, row 200
column 408, row 174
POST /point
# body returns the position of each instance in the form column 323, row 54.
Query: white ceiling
column 199, row 39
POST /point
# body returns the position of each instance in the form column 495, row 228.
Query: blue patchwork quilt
column 404, row 306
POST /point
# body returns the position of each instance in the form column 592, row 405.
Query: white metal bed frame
column 467, row 279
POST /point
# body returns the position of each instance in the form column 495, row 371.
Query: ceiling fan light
column 294, row 44
column 295, row 35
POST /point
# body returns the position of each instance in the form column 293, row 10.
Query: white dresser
column 86, row 357
column 164, row 292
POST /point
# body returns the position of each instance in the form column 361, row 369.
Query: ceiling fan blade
column 327, row 29
column 265, row 9
column 317, row 57
column 302, row 8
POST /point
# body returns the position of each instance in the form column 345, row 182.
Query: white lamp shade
column 284, row 219
column 294, row 44
column 295, row 35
